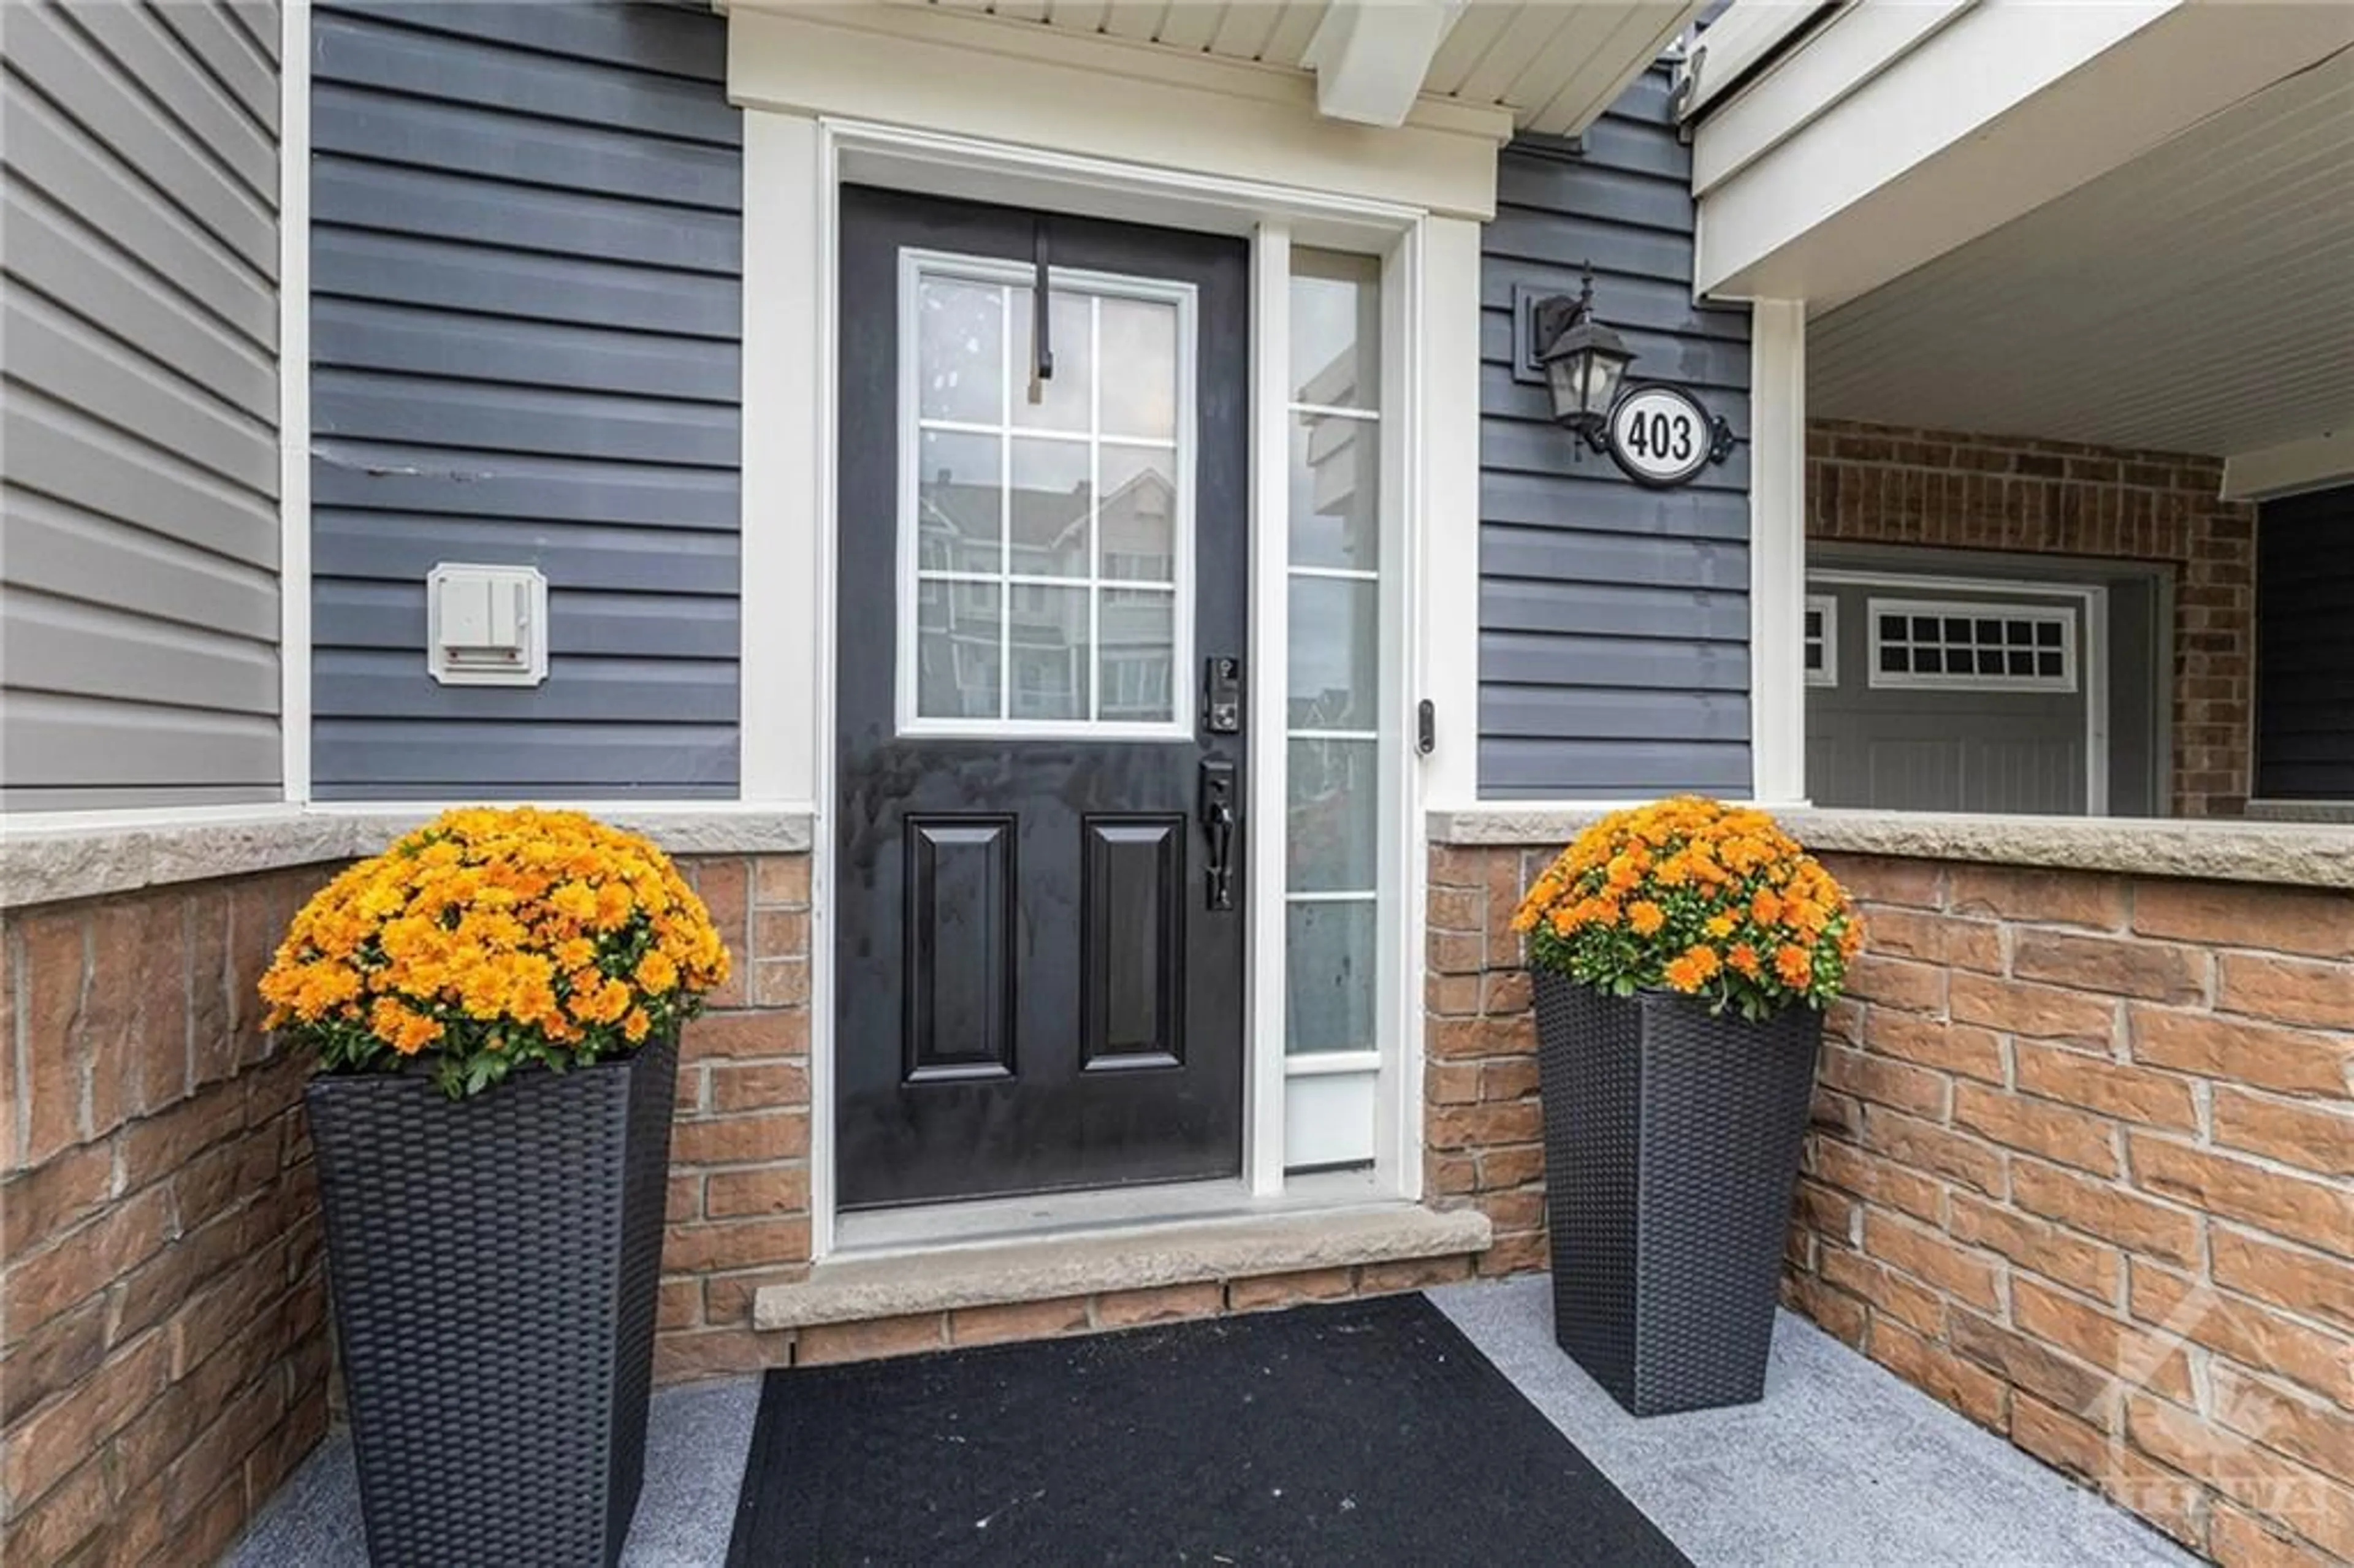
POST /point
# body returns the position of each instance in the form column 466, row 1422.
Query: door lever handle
column 1219, row 819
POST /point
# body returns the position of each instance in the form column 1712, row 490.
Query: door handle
column 1220, row 814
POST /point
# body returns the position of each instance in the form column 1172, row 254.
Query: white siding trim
column 1267, row 672
column 1442, row 430
column 928, row 69
column 1777, row 551
column 294, row 399
column 787, row 464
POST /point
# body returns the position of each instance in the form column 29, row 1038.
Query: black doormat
column 1368, row 1432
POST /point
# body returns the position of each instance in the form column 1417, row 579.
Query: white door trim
column 795, row 166
column 2091, row 657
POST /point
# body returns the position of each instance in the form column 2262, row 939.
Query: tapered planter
column 1671, row 1151
column 493, row 1263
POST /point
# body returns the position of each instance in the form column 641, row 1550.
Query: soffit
column 1554, row 67
column 2198, row 298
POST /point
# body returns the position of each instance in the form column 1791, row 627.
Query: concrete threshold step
column 857, row 1288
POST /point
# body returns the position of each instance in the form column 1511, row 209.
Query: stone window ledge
column 49, row 862
column 2295, row 854
column 861, row 1288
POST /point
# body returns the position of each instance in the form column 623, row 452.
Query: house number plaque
column 1664, row 436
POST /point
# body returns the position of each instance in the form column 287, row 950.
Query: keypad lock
column 1222, row 695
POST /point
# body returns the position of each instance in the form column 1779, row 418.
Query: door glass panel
column 1051, row 651
column 1335, row 492
column 1139, row 655
column 1335, row 652
column 959, row 498
column 1330, row 836
column 1068, row 516
column 1335, row 330
column 962, row 350
column 1065, row 400
column 957, row 647
column 1140, row 359
column 1051, row 507
column 1329, row 952
column 1139, row 517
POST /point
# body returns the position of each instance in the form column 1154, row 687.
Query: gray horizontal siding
column 525, row 310
column 139, row 611
column 1614, row 620
column 2304, row 648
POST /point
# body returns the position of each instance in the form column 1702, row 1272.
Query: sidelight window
column 1337, row 752
column 1045, row 520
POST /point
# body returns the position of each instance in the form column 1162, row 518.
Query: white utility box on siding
column 486, row 626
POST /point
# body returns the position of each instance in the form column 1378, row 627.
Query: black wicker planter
column 1671, row 1151
column 493, row 1263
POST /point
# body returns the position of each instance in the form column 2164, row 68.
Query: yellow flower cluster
column 1695, row 896
column 494, row 937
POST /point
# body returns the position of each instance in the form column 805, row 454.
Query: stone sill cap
column 2293, row 854
column 864, row 1287
column 47, row 858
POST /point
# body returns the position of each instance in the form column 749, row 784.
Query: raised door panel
column 1133, row 987
column 959, row 949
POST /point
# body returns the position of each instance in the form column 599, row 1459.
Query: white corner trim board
column 294, row 400
column 1778, row 550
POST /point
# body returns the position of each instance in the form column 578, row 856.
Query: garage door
column 1947, row 698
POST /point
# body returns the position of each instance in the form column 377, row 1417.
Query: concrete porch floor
column 1841, row 1465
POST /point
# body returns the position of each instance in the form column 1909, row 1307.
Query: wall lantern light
column 1583, row 361
column 1660, row 436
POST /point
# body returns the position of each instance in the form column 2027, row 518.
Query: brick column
column 1482, row 1129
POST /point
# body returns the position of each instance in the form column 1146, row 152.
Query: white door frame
column 794, row 167
column 2092, row 658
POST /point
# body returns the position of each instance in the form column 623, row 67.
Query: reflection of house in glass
column 1041, row 624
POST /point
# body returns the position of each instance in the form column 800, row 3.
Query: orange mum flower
column 1685, row 866
column 469, row 937
column 1795, row 965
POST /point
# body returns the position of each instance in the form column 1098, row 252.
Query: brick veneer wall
column 1884, row 485
column 162, row 1302
column 739, row 1185
column 162, row 1307
column 2082, row 1167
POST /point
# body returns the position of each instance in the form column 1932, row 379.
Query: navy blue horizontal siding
column 526, row 251
column 1614, row 620
column 2304, row 648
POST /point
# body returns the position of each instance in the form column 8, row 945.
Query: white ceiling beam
column 1370, row 56
column 2311, row 464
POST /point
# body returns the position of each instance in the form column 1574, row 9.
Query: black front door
column 1040, row 893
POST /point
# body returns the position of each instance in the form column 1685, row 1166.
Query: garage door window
column 1966, row 647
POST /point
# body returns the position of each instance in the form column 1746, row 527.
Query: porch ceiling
column 1556, row 67
column 2200, row 298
